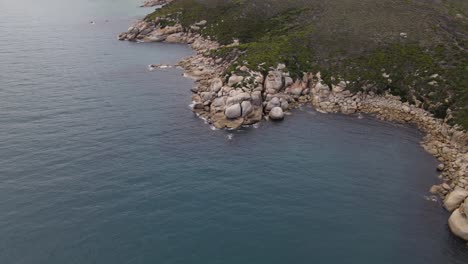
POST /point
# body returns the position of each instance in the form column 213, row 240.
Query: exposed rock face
column 150, row 3
column 455, row 198
column 234, row 111
column 153, row 32
column 247, row 108
column 334, row 100
column 458, row 224
column 231, row 101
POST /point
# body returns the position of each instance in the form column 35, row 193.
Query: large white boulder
column 233, row 111
column 455, row 198
column 247, row 108
column 276, row 113
column 235, row 79
column 274, row 102
column 238, row 98
column 274, row 81
column 458, row 223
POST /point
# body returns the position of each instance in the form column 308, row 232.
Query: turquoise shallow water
column 102, row 161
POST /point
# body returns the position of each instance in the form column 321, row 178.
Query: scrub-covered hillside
column 416, row 49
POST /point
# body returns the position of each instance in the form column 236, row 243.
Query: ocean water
column 102, row 161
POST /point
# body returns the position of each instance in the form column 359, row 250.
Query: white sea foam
column 431, row 198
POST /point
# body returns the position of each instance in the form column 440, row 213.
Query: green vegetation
column 416, row 49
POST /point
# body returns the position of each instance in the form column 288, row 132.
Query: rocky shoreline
column 151, row 3
column 246, row 96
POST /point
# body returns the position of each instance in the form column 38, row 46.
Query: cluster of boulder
column 154, row 31
column 245, row 96
column 457, row 203
column 227, row 102
column 335, row 99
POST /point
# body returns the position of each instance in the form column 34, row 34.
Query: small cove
column 102, row 161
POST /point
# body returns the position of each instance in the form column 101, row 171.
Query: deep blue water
column 102, row 161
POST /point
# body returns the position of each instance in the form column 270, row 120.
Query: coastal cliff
column 261, row 71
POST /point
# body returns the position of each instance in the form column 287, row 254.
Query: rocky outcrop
column 335, row 99
column 144, row 31
column 151, row 3
column 238, row 98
